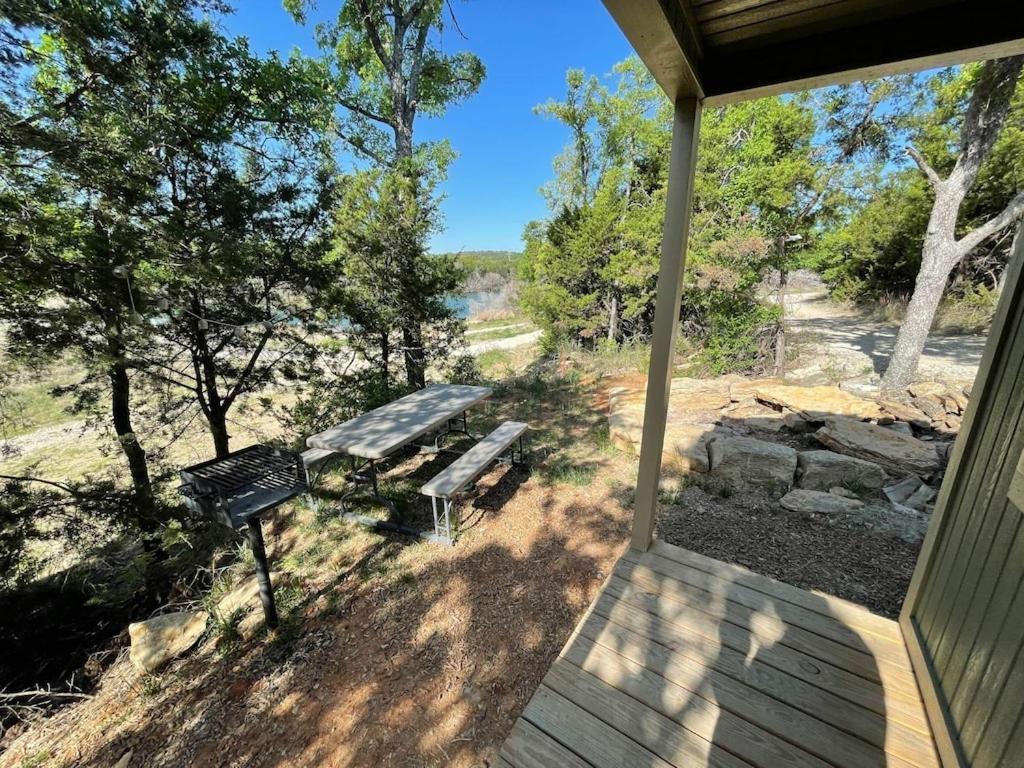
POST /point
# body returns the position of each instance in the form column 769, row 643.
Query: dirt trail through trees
column 817, row 321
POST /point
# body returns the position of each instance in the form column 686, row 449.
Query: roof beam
column 940, row 36
column 664, row 34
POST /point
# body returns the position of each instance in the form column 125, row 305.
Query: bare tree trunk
column 942, row 251
column 613, row 318
column 780, row 331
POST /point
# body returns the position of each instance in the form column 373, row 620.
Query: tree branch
column 352, row 106
column 1013, row 211
column 374, row 34
column 933, row 178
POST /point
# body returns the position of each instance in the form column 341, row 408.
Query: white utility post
column 676, row 233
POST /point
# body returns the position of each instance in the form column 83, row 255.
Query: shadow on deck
column 682, row 660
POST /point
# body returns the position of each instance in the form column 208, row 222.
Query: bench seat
column 463, row 470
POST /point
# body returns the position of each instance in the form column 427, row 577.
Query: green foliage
column 877, row 251
column 504, row 263
column 590, row 271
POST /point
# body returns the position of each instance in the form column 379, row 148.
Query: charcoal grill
column 237, row 489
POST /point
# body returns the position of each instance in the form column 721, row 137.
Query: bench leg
column 443, row 520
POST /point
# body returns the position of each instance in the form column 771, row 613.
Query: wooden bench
column 464, row 470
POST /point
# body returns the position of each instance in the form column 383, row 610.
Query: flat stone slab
column 819, row 502
column 156, row 641
column 817, row 403
column 821, row 470
column 895, row 452
column 746, row 460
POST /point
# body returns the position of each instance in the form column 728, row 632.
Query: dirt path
column 508, row 343
column 849, row 333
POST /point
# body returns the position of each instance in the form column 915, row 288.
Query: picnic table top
column 378, row 433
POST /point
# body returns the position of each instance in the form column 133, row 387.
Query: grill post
column 259, row 553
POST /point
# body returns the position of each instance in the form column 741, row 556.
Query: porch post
column 685, row 130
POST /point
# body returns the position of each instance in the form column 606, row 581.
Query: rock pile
column 819, row 447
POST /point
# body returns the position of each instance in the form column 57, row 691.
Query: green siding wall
column 969, row 608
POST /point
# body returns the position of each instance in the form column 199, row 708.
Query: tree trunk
column 928, row 290
column 942, row 251
column 138, row 468
column 613, row 318
column 780, row 332
column 218, row 423
column 146, row 514
column 415, row 362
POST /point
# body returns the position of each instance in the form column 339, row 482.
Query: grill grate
column 244, row 484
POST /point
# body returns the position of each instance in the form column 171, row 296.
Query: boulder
column 743, row 391
column 906, row 412
column 753, row 462
column 903, row 490
column 902, row 427
column 686, row 447
column 821, row 470
column 156, row 641
column 820, row 502
column 755, row 416
column 897, row 453
column 818, row 403
column 693, row 405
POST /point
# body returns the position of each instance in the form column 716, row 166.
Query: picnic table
column 375, row 435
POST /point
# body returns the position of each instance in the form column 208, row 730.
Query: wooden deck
column 687, row 661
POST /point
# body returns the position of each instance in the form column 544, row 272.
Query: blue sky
column 504, row 150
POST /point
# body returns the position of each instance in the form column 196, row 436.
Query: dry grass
column 390, row 652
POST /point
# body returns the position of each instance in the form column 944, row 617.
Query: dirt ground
column 390, row 652
column 842, row 557
column 395, row 653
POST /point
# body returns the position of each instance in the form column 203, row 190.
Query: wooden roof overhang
column 723, row 51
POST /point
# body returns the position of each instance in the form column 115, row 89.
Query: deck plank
column 769, row 639
column 529, row 747
column 858, row 661
column 776, row 716
column 827, row 706
column 692, row 711
column 740, row 593
column 851, row 614
column 684, row 661
column 586, row 735
column 649, row 728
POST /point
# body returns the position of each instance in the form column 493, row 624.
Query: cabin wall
column 964, row 617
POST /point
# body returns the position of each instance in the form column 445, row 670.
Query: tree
column 387, row 68
column 76, row 166
column 383, row 213
column 993, row 88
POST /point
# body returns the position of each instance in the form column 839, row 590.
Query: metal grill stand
column 237, row 489
column 259, row 553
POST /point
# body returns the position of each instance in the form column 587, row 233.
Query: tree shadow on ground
column 393, row 652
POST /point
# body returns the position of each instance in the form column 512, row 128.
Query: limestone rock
column 156, row 641
column 901, row 427
column 817, row 403
column 755, row 416
column 686, row 447
column 743, row 391
column 906, row 412
column 894, row 452
column 921, row 497
column 805, row 501
column 754, row 462
column 821, row 470
column 903, row 490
